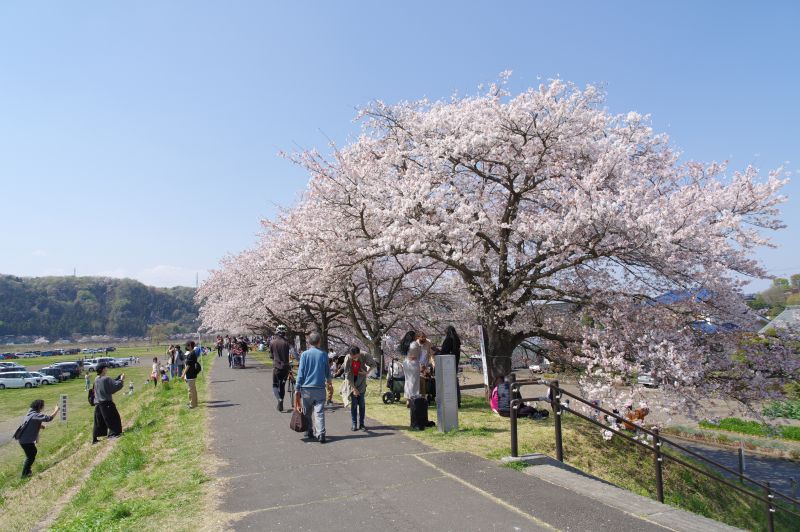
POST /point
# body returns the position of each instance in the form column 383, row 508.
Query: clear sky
column 140, row 139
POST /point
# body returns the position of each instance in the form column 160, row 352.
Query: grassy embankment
column 619, row 462
column 753, row 428
column 137, row 482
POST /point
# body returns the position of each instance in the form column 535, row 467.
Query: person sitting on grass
column 28, row 433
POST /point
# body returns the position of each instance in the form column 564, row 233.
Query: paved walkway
column 379, row 480
column 777, row 471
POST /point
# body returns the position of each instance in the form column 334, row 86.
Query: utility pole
column 196, row 288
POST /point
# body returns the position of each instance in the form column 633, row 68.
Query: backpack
column 22, row 427
column 90, row 397
column 198, row 368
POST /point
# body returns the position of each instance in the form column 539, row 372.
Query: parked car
column 8, row 369
column 73, row 367
column 9, row 365
column 43, row 378
column 18, row 379
column 647, row 380
column 121, row 362
column 57, row 373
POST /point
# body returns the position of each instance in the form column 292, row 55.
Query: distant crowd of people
column 314, row 380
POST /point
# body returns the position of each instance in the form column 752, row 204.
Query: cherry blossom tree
column 544, row 201
column 543, row 214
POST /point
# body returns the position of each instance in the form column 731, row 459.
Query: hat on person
column 280, row 329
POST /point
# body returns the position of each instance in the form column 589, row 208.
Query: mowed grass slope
column 155, row 467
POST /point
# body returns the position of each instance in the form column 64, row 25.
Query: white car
column 18, row 379
column 44, row 379
column 648, row 381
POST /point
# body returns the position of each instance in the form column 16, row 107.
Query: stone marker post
column 63, row 408
column 446, row 393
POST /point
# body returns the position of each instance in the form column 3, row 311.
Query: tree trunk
column 499, row 345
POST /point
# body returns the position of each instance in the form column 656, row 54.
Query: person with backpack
column 279, row 353
column 180, row 360
column 28, row 433
column 191, row 371
column 106, row 416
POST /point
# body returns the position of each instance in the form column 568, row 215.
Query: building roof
column 788, row 320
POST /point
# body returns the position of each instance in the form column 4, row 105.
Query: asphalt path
column 376, row 480
column 778, row 472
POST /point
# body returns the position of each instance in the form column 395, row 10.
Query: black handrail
column 658, row 441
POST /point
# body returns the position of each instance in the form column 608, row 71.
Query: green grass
column 154, row 476
column 150, row 460
column 64, row 448
column 753, row 428
column 788, row 409
column 617, row 461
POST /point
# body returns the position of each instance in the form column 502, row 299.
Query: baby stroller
column 395, row 382
column 237, row 359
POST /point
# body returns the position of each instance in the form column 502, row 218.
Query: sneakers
column 353, row 427
column 280, row 406
column 322, row 438
column 362, row 428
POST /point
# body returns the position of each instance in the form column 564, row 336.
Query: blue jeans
column 314, row 401
column 357, row 408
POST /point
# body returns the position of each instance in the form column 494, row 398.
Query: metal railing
column 558, row 408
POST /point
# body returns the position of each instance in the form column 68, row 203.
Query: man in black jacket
column 279, row 353
column 106, row 415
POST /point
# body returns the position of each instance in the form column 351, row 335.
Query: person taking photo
column 28, row 433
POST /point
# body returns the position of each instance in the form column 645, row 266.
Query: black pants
column 106, row 420
column 279, row 377
column 30, row 457
column 219, row 351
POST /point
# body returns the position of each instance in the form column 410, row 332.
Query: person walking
column 279, row 353
column 87, row 382
column 219, row 346
column 452, row 346
column 355, row 384
column 313, row 375
column 106, row 416
column 29, row 433
column 244, row 348
column 191, row 371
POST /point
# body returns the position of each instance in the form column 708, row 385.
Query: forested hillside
column 57, row 307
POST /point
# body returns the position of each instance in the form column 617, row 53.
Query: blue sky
column 140, row 139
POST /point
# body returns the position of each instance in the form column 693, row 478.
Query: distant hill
column 57, row 307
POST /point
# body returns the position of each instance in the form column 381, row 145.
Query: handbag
column 298, row 421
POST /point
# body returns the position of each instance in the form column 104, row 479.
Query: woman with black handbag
column 28, row 433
